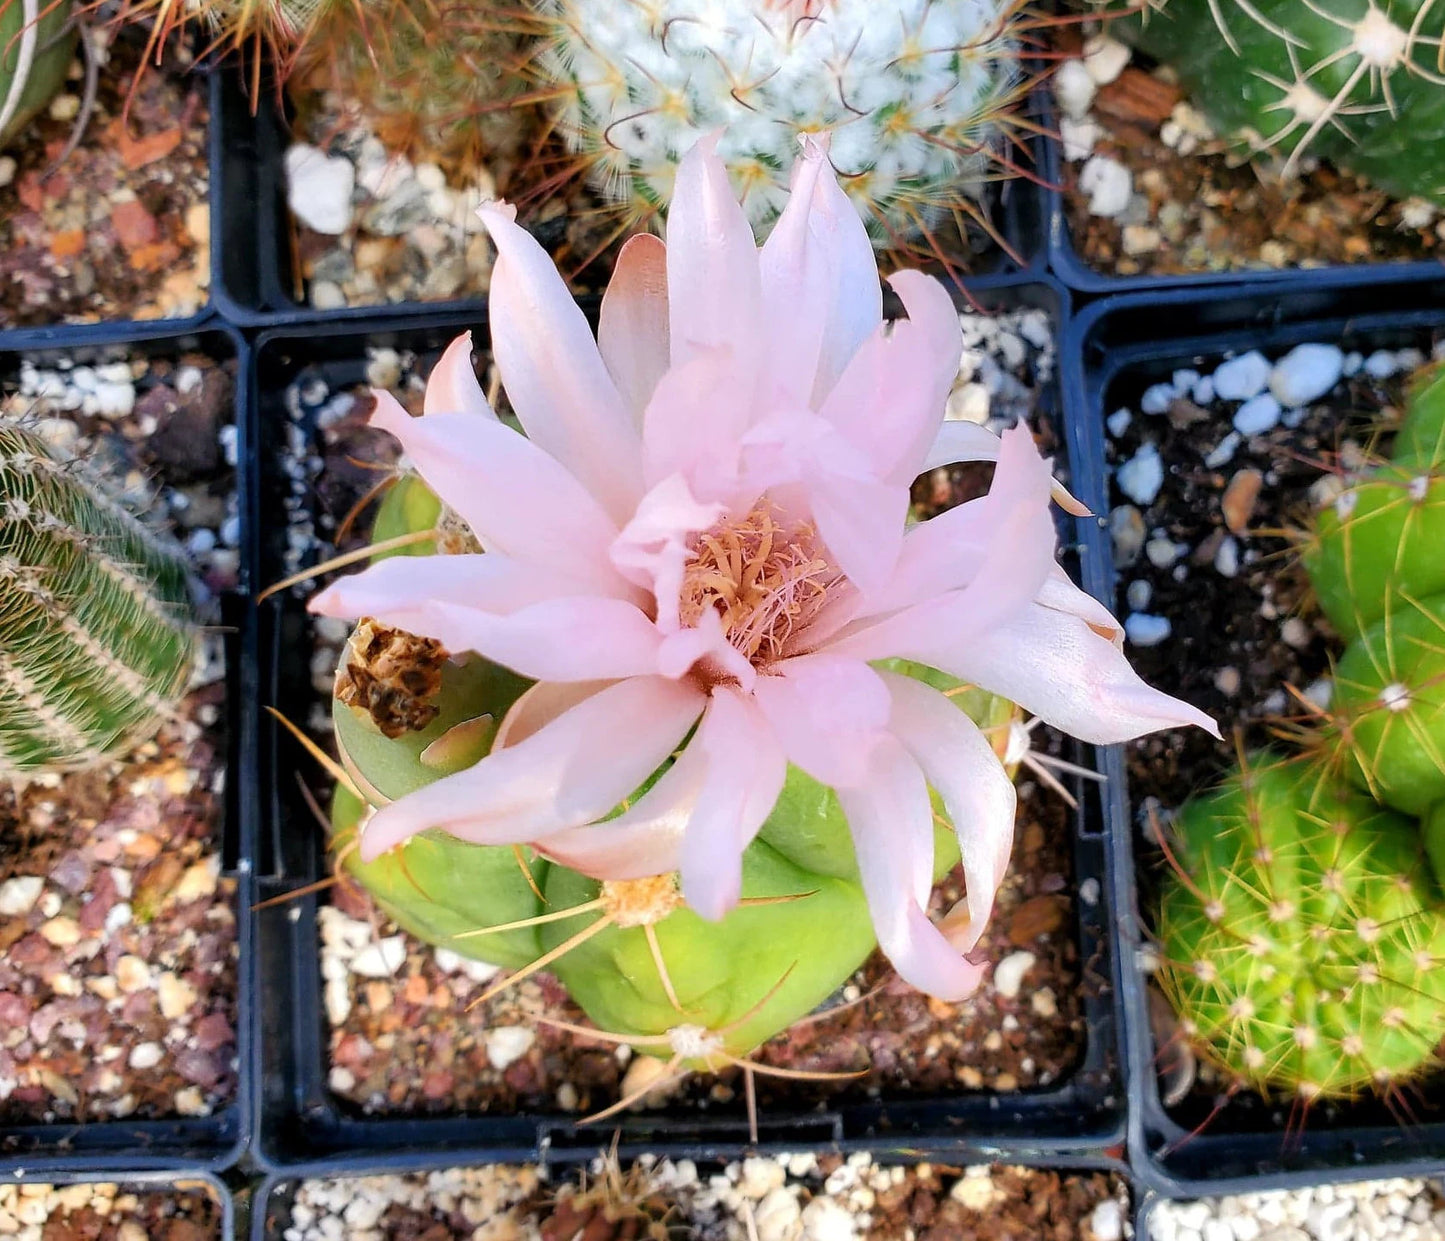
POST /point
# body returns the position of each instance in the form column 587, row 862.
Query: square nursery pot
column 256, row 280
column 111, row 1143
column 1067, row 262
column 210, row 1213
column 1104, row 1205
column 1118, row 347
column 215, row 153
column 301, row 1121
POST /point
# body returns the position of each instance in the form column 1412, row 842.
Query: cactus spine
column 916, row 96
column 35, row 47
column 96, row 641
column 1358, row 82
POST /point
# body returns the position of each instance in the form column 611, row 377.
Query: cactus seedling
column 36, row 41
column 1301, row 935
column 96, row 641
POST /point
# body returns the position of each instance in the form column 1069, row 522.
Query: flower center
column 765, row 579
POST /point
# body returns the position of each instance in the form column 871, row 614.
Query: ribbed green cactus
column 915, row 95
column 35, row 50
column 1357, row 82
column 96, row 640
column 405, row 715
column 1302, row 934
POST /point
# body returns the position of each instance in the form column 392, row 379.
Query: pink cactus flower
column 703, row 534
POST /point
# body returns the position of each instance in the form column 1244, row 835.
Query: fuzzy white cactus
column 914, row 93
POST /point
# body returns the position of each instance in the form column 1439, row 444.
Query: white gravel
column 1306, row 373
column 1399, row 1209
column 1240, row 378
column 1108, row 184
column 1141, row 476
column 319, row 188
column 1257, row 415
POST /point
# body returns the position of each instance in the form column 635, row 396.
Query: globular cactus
column 36, row 43
column 1357, row 82
column 1376, row 566
column 633, row 956
column 1302, row 935
column 439, row 80
column 96, row 637
column 916, row 96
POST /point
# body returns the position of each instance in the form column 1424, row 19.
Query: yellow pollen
column 640, row 902
column 764, row 579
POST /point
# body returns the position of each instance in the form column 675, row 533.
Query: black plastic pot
column 1070, row 266
column 255, row 283
column 301, row 1122
column 192, row 1143
column 271, row 1213
column 142, row 1183
column 1115, row 349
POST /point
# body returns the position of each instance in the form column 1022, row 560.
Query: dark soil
column 1215, row 214
column 120, row 228
column 118, row 981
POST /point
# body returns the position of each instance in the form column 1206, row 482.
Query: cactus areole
column 678, row 708
column 96, row 637
column 1357, row 82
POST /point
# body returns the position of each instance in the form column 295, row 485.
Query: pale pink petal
column 644, row 840
column 569, row 772
column 891, row 822
column 452, row 386
column 891, row 398
column 1060, row 593
column 653, row 549
column 632, row 327
column 517, row 499
column 695, row 418
column 959, row 440
column 554, row 376
column 409, row 591
column 714, row 293
column 745, row 773
column 857, row 306
column 1013, row 568
column 540, row 705
column 1054, row 665
column 829, row 715
column 797, row 265
column 959, row 762
column 861, row 521
column 572, row 639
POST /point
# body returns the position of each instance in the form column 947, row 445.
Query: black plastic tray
column 271, row 1209
column 301, row 1122
column 253, row 277
column 1118, row 346
column 211, row 1142
column 1069, row 265
column 140, row 1183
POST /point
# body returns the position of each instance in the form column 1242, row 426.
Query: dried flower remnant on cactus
column 699, row 552
column 918, row 97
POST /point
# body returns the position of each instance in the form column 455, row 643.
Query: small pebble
column 1257, row 415
column 507, row 1044
column 1306, row 373
column 1157, row 398
column 1141, row 477
column 1008, row 974
column 1109, row 185
column 1118, row 422
column 1241, row 378
column 1144, row 629
column 319, row 188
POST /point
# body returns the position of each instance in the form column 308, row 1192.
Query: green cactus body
column 1420, row 442
column 96, row 640
column 915, row 95
column 738, row 981
column 1301, row 942
column 35, row 52
column 1389, row 706
column 1377, row 541
column 1355, row 81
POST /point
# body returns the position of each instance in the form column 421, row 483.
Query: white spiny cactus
column 914, row 93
